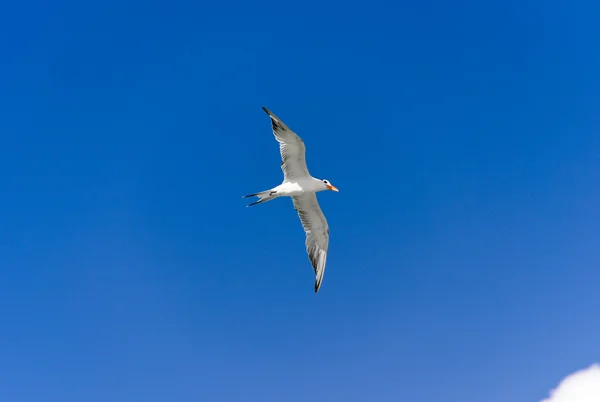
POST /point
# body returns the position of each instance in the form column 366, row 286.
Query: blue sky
column 464, row 259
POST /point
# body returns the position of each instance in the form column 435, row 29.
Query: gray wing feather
column 317, row 232
column 291, row 148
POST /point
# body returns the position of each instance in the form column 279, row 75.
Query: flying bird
column 302, row 188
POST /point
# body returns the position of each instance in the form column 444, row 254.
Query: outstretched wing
column 317, row 232
column 291, row 147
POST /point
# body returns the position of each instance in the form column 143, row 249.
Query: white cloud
column 581, row 386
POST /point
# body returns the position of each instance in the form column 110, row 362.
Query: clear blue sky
column 464, row 260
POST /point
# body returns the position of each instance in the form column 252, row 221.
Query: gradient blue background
column 464, row 262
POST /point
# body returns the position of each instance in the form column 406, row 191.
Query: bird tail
column 263, row 196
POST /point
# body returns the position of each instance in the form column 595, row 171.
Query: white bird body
column 302, row 188
column 299, row 187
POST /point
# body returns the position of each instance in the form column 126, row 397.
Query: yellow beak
column 332, row 188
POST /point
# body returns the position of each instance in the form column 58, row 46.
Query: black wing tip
column 274, row 118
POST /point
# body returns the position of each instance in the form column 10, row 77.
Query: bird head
column 329, row 186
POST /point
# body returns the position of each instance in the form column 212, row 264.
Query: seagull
column 302, row 188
